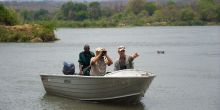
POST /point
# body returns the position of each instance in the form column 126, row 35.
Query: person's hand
column 135, row 55
column 80, row 73
column 104, row 53
column 99, row 54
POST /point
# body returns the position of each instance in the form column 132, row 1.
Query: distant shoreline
column 32, row 33
column 106, row 24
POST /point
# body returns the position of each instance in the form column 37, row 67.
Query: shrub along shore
column 109, row 24
column 26, row 33
column 12, row 30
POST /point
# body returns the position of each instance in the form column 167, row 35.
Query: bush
column 8, row 16
column 25, row 33
column 3, row 35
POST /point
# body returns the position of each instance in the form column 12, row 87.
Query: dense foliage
column 8, row 16
column 27, row 33
column 10, row 31
column 40, row 14
column 134, row 13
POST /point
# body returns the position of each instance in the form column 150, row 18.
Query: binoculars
column 104, row 52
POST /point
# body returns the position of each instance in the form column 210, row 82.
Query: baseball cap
column 120, row 48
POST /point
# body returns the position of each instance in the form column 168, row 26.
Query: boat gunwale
column 147, row 75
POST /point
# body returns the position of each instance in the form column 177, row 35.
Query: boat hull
column 97, row 88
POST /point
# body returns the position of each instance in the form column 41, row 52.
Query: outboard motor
column 68, row 68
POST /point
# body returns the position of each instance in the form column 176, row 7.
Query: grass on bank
column 113, row 23
column 27, row 33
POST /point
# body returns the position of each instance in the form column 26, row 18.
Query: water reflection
column 50, row 102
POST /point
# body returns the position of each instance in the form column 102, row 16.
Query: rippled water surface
column 188, row 74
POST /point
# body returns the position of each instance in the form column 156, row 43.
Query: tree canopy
column 8, row 16
column 134, row 12
column 135, row 6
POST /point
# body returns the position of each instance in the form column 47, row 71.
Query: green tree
column 94, row 10
column 171, row 3
column 8, row 16
column 187, row 14
column 81, row 15
column 66, row 8
column 74, row 11
column 151, row 7
column 81, row 11
column 143, row 14
column 218, row 12
column 207, row 10
column 171, row 12
column 135, row 6
column 27, row 15
column 158, row 16
column 107, row 12
column 79, row 7
column 41, row 14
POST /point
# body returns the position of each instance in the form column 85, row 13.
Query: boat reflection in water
column 127, row 86
column 51, row 102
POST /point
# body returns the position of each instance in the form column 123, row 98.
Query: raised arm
column 135, row 55
column 108, row 60
column 95, row 59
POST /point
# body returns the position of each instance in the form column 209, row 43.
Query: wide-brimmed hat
column 121, row 48
column 99, row 49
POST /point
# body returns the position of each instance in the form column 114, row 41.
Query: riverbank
column 105, row 23
column 43, row 31
column 27, row 33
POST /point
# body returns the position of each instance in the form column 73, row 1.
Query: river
column 188, row 74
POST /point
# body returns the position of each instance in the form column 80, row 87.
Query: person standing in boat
column 84, row 60
column 124, row 61
column 99, row 62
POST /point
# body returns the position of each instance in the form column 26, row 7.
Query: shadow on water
column 50, row 102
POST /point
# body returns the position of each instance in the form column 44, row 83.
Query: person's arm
column 80, row 64
column 135, row 55
column 131, row 59
column 95, row 59
column 80, row 69
column 108, row 60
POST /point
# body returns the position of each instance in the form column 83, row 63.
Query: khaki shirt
column 126, row 64
column 99, row 68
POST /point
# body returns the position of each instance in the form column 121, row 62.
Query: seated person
column 124, row 61
column 84, row 60
column 99, row 62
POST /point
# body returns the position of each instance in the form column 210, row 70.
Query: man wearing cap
column 99, row 62
column 124, row 61
column 84, row 60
